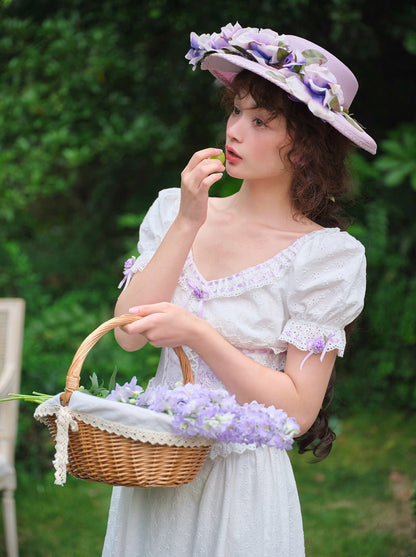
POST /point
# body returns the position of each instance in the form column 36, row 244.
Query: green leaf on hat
column 282, row 51
column 313, row 56
column 243, row 52
column 276, row 76
column 352, row 121
column 334, row 104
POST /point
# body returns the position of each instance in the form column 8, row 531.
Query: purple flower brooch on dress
column 127, row 272
column 318, row 345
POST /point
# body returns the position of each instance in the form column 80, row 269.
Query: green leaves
column 397, row 161
column 386, row 332
column 68, row 101
column 97, row 387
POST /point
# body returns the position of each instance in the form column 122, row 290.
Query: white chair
column 12, row 311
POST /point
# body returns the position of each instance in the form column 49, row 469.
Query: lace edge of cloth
column 144, row 435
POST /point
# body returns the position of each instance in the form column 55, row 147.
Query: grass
column 357, row 503
column 67, row 521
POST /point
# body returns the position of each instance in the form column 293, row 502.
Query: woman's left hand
column 164, row 324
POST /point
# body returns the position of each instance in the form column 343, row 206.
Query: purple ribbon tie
column 316, row 346
column 127, row 272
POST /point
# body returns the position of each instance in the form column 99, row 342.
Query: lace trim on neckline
column 255, row 276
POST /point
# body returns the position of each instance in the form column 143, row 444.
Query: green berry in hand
column 220, row 157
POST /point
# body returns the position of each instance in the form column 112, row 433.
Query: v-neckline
column 280, row 254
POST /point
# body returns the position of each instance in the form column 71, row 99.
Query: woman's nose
column 235, row 129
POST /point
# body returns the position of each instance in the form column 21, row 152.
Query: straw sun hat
column 308, row 72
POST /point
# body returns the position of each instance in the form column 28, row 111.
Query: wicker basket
column 100, row 456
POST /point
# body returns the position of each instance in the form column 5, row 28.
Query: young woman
column 258, row 287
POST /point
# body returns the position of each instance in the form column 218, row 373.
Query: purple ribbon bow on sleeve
column 316, row 346
column 127, row 272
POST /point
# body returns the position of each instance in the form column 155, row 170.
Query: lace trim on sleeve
column 302, row 333
column 132, row 265
column 141, row 262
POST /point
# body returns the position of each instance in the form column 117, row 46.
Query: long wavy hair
column 317, row 157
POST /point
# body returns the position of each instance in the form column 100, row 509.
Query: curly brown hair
column 318, row 159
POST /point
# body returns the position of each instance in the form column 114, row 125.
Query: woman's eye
column 259, row 122
column 236, row 110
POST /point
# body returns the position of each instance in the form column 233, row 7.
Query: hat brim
column 225, row 67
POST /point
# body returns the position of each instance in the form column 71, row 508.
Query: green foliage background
column 99, row 110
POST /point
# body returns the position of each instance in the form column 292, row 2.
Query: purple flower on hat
column 322, row 85
column 301, row 92
column 265, row 45
column 197, row 50
column 295, row 59
column 244, row 37
column 229, row 30
column 127, row 272
column 289, row 68
column 218, row 41
column 305, row 73
column 201, row 44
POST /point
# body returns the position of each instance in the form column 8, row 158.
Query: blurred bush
column 379, row 369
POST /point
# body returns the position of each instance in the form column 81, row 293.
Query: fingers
column 198, row 176
column 203, row 154
column 138, row 327
column 201, row 166
column 209, row 180
column 196, row 179
column 148, row 309
column 142, row 325
column 163, row 324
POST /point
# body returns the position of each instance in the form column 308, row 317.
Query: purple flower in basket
column 214, row 414
column 129, row 392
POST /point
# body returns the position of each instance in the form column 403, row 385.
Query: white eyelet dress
column 244, row 502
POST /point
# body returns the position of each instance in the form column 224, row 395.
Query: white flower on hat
column 298, row 66
column 323, row 85
column 229, row 30
column 245, row 36
column 199, row 46
column 301, row 92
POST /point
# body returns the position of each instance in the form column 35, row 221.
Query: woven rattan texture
column 100, row 456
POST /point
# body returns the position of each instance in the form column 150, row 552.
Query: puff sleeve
column 326, row 291
column 156, row 223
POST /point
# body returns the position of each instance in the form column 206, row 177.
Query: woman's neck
column 264, row 201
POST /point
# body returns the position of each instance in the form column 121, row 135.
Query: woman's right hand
column 196, row 179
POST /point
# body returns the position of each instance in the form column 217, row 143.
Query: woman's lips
column 231, row 155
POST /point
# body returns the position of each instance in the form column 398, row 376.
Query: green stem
column 35, row 397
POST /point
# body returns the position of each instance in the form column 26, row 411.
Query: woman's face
column 256, row 142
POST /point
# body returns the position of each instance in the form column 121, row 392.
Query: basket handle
column 72, row 378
